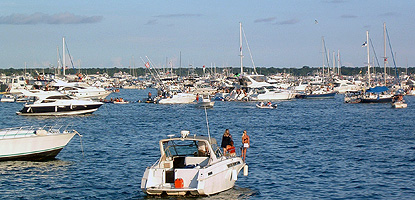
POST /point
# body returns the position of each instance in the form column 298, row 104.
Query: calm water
column 313, row 149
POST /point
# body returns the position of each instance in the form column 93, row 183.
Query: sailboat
column 379, row 94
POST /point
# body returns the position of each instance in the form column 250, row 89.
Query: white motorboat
column 205, row 103
column 56, row 103
column 271, row 93
column 191, row 165
column 399, row 104
column 33, row 143
column 177, row 97
column 267, row 105
column 81, row 90
column 8, row 98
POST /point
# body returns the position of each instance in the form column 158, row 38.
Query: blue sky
column 279, row 33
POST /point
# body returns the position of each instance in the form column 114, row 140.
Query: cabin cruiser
column 33, row 143
column 175, row 96
column 193, row 165
column 80, row 90
column 271, row 93
column 56, row 103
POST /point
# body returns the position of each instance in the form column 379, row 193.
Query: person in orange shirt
column 245, row 144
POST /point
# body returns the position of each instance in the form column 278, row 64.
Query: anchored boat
column 33, row 143
column 191, row 165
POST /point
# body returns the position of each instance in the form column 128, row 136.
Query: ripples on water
column 313, row 149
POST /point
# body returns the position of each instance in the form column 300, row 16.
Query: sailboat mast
column 63, row 55
column 385, row 59
column 322, row 50
column 368, row 57
column 240, row 46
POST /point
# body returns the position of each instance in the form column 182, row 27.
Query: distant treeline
column 305, row 70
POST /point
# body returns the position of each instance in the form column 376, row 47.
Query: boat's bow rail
column 27, row 131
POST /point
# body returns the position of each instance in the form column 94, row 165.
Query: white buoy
column 246, row 170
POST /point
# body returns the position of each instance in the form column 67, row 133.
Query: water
column 312, row 149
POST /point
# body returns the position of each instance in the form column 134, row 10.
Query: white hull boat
column 399, row 104
column 191, row 165
column 205, row 103
column 57, row 104
column 178, row 98
column 8, row 98
column 33, row 144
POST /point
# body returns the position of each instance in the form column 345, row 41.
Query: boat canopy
column 377, row 89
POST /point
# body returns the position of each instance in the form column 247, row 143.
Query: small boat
column 191, row 165
column 33, row 143
column 398, row 102
column 352, row 97
column 205, row 103
column 268, row 105
column 121, row 102
column 8, row 98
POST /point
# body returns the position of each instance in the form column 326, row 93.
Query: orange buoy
column 178, row 183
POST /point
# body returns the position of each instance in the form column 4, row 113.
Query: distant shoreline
column 141, row 71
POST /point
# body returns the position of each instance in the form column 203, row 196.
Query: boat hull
column 376, row 100
column 33, row 148
column 204, row 181
column 316, row 96
column 58, row 110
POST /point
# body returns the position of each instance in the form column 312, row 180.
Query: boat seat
column 201, row 161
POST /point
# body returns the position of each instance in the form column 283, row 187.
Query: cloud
column 151, row 22
column 348, row 16
column 270, row 19
column 389, row 14
column 178, row 15
column 288, row 22
column 41, row 18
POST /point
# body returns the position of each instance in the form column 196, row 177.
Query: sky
column 285, row 33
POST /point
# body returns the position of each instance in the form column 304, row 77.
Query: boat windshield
column 181, row 148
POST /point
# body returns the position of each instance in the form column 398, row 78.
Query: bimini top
column 377, row 89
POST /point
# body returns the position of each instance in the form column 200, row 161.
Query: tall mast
column 368, row 57
column 322, row 50
column 334, row 62
column 63, row 56
column 385, row 59
column 338, row 63
column 240, row 46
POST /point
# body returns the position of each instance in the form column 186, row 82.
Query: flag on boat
column 364, row 44
column 147, row 65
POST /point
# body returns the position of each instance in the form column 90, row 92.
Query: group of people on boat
column 228, row 144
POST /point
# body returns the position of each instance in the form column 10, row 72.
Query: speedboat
column 267, row 105
column 56, row 103
column 398, row 102
column 191, row 165
column 33, row 143
column 205, row 103
column 8, row 98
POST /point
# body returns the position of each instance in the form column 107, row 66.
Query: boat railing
column 30, row 130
